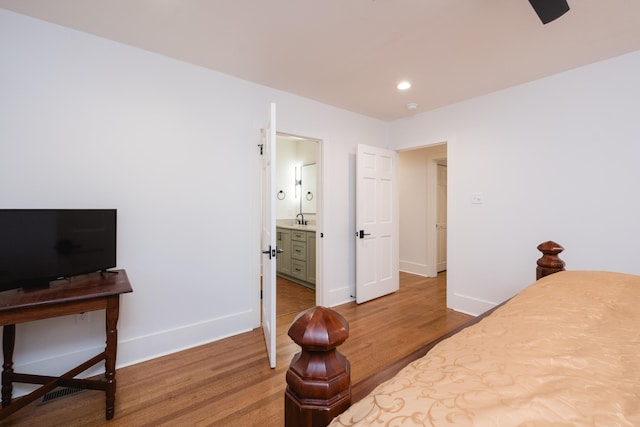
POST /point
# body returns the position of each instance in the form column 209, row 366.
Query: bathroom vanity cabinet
column 297, row 262
column 283, row 259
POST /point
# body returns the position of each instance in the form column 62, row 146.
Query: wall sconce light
column 298, row 182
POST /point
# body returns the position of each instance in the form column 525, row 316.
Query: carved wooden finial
column 318, row 379
column 549, row 263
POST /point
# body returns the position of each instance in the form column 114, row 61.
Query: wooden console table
column 63, row 297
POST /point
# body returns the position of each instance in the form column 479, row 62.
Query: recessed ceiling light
column 403, row 85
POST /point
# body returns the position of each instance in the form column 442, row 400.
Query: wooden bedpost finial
column 318, row 378
column 549, row 263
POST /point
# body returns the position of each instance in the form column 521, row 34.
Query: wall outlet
column 477, row 198
column 82, row 317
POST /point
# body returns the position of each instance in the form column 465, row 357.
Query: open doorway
column 422, row 181
column 297, row 213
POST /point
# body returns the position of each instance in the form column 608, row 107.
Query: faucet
column 301, row 221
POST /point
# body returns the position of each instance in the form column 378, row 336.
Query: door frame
column 427, row 266
column 320, row 289
column 432, row 213
column 441, row 163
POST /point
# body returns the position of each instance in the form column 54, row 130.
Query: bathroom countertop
column 308, row 227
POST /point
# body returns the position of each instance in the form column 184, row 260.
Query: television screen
column 40, row 245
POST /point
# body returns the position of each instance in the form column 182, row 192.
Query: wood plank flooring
column 229, row 382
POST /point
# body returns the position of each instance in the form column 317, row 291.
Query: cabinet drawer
column 299, row 236
column 299, row 269
column 299, row 250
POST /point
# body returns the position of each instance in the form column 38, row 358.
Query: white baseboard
column 414, row 268
column 468, row 305
column 339, row 296
column 139, row 349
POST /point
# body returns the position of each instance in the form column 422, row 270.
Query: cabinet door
column 311, row 257
column 283, row 260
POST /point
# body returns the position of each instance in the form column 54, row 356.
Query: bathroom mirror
column 308, row 194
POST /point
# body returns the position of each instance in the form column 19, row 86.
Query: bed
column 562, row 352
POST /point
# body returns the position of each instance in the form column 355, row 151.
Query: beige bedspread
column 564, row 352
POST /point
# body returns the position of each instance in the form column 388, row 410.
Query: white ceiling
column 352, row 53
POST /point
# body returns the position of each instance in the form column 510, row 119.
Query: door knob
column 270, row 252
column 361, row 234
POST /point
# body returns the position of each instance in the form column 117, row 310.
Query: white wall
column 88, row 123
column 556, row 159
column 291, row 153
column 288, row 207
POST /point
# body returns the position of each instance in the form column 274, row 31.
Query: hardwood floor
column 293, row 298
column 229, row 382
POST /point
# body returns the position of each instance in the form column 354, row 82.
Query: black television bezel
column 44, row 281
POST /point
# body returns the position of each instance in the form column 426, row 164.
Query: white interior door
column 377, row 247
column 441, row 221
column 269, row 235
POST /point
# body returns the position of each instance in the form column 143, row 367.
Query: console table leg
column 112, row 313
column 8, row 344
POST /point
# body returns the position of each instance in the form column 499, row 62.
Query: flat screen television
column 41, row 245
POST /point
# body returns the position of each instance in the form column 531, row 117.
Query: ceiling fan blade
column 548, row 10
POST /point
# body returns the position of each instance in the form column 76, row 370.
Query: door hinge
column 261, row 148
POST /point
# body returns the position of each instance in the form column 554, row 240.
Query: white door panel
column 442, row 218
column 377, row 249
column 269, row 235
